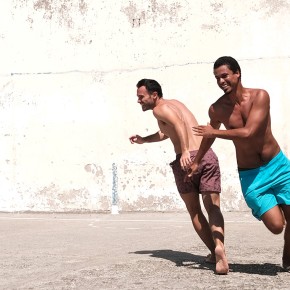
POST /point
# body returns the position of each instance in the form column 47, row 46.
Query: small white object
column 115, row 209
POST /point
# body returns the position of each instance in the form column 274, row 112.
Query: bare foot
column 222, row 266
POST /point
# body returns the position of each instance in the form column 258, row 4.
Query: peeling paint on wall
column 69, row 15
column 155, row 12
column 270, row 7
column 219, row 16
column 221, row 13
column 63, row 10
column 95, row 170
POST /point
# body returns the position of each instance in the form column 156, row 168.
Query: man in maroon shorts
column 175, row 121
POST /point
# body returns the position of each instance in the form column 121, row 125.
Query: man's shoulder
column 162, row 108
column 161, row 105
column 169, row 104
column 256, row 92
column 258, row 95
column 220, row 101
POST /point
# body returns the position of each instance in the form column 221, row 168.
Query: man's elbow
column 248, row 133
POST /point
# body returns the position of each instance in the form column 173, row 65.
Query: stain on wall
column 96, row 171
column 62, row 10
column 270, row 7
column 66, row 14
column 156, row 13
column 221, row 15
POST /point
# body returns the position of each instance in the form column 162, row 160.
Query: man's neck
column 159, row 101
column 236, row 96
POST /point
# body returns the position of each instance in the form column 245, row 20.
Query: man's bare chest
column 234, row 117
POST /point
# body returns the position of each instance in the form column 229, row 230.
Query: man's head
column 148, row 92
column 227, row 72
column 230, row 62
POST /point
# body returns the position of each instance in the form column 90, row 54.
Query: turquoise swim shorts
column 267, row 186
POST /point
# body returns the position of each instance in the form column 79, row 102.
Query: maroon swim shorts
column 207, row 179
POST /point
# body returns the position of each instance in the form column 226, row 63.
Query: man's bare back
column 187, row 118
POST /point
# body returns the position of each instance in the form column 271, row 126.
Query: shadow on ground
column 184, row 259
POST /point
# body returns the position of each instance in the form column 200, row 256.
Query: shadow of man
column 181, row 259
column 184, row 259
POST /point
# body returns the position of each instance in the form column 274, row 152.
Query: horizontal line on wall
column 136, row 69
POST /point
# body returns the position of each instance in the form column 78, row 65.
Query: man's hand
column 205, row 131
column 193, row 169
column 185, row 160
column 136, row 139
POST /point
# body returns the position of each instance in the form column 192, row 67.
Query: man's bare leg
column 274, row 220
column 286, row 250
column 216, row 222
column 199, row 221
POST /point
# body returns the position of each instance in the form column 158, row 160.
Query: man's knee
column 191, row 201
column 274, row 220
column 194, row 210
column 211, row 201
column 277, row 230
column 275, row 227
column 213, row 210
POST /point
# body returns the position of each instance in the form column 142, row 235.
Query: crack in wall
column 141, row 68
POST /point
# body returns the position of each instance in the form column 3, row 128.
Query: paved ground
column 133, row 251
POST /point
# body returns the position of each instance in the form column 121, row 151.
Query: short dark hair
column 230, row 62
column 151, row 86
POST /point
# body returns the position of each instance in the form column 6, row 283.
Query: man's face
column 227, row 80
column 146, row 100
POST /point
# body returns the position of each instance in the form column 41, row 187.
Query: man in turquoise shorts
column 264, row 170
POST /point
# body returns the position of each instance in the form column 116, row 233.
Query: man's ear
column 155, row 95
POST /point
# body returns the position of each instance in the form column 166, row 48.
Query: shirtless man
column 175, row 121
column 264, row 170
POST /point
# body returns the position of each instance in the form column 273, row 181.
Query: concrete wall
column 68, row 98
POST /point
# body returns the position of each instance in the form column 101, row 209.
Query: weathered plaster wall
column 68, row 99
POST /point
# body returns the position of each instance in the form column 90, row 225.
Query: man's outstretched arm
column 256, row 122
column 156, row 137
